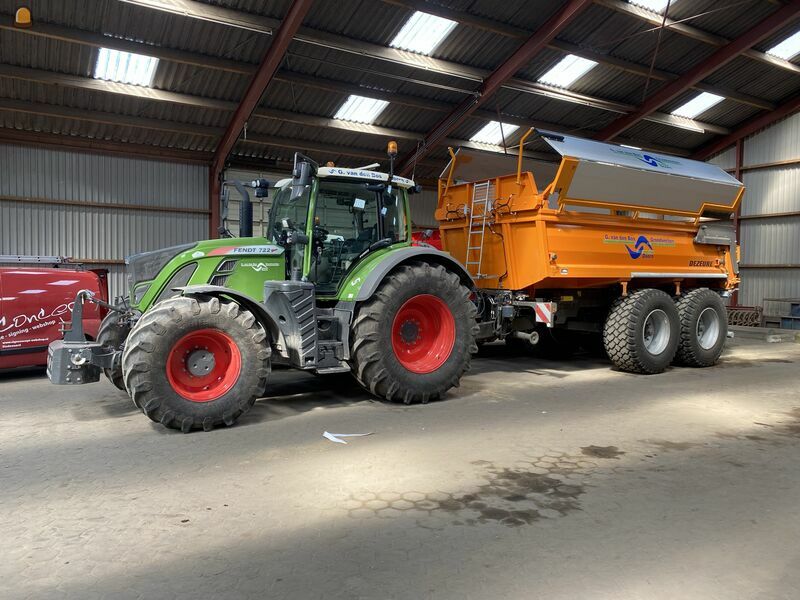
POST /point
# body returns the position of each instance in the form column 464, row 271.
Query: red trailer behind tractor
column 35, row 299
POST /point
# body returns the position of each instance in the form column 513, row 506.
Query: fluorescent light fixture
column 360, row 109
column 491, row 133
column 699, row 104
column 656, row 6
column 422, row 33
column 568, row 69
column 125, row 67
column 788, row 48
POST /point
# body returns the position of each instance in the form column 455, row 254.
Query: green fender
column 365, row 280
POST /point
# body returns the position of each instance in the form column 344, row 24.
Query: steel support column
column 262, row 78
column 492, row 83
column 780, row 18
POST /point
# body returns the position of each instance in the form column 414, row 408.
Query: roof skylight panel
column 788, row 48
column 359, row 109
column 422, row 33
column 568, row 70
column 125, row 67
column 491, row 133
column 697, row 105
column 656, row 6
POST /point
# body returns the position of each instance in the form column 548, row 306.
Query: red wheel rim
column 203, row 365
column 423, row 333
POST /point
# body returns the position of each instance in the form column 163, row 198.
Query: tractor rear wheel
column 196, row 362
column 414, row 339
column 113, row 333
column 704, row 328
column 641, row 331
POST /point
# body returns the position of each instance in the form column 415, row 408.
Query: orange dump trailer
column 606, row 243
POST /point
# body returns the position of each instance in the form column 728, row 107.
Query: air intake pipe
column 245, row 211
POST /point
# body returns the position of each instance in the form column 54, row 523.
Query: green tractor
column 335, row 285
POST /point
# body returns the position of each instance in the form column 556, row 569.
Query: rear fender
column 396, row 258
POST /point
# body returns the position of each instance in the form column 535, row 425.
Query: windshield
column 350, row 217
column 285, row 209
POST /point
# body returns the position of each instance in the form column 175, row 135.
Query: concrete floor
column 533, row 480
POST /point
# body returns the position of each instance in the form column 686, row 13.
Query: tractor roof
column 346, row 173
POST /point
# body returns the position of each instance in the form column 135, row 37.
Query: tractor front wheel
column 113, row 333
column 413, row 340
column 196, row 362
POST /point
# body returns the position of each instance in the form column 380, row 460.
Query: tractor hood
column 147, row 265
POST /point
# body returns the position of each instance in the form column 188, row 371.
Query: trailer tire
column 221, row 336
column 112, row 333
column 414, row 338
column 703, row 329
column 641, row 332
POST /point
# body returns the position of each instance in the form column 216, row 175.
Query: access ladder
column 478, row 217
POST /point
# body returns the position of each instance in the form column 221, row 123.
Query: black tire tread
column 620, row 331
column 136, row 362
column 367, row 351
column 112, row 333
column 689, row 303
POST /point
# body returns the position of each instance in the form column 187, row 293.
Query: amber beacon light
column 22, row 18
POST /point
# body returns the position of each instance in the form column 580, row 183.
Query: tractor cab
column 330, row 218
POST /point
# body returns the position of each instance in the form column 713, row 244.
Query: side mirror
column 415, row 189
column 262, row 192
column 302, row 176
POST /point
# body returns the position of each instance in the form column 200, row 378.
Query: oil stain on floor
column 607, row 452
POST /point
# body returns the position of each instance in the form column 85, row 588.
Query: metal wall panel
column 770, row 191
column 779, row 142
column 726, row 159
column 65, row 175
column 758, row 284
column 771, row 241
column 97, row 232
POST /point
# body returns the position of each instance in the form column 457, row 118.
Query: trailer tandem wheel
column 703, row 328
column 413, row 339
column 641, row 332
column 196, row 362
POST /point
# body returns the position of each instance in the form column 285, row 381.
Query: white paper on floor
column 334, row 437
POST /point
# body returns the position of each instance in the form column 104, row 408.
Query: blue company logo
column 642, row 244
column 646, row 158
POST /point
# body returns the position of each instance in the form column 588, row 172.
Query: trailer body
column 570, row 238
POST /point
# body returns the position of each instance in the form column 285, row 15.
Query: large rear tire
column 704, row 328
column 641, row 332
column 196, row 362
column 113, row 333
column 414, row 338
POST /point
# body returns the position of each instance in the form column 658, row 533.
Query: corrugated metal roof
column 601, row 29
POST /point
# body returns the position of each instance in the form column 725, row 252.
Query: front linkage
column 74, row 360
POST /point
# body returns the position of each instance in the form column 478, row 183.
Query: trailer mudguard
column 396, row 258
